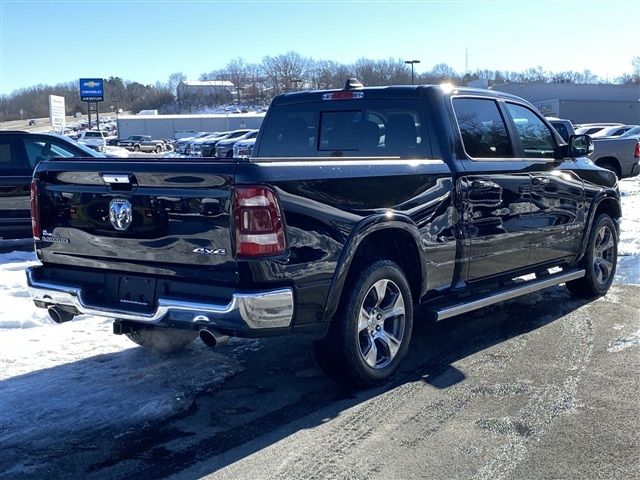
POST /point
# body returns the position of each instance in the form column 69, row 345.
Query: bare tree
column 174, row 80
column 286, row 71
column 236, row 72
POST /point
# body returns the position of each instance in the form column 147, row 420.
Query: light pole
column 116, row 108
column 412, row 62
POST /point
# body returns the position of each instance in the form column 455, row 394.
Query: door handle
column 481, row 185
column 540, row 181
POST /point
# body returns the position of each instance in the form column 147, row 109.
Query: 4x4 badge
column 120, row 214
column 210, row 251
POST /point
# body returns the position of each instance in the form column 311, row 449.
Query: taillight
column 35, row 211
column 636, row 154
column 258, row 221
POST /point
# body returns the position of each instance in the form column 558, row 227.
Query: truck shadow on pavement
column 281, row 391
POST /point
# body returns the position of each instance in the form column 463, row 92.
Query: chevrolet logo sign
column 90, row 84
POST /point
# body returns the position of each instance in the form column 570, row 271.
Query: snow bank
column 630, row 228
column 16, row 308
column 57, row 379
column 79, row 376
column 628, row 270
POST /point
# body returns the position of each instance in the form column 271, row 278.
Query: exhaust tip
column 213, row 339
column 60, row 316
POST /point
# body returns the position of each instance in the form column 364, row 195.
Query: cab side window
column 483, row 130
column 10, row 162
column 535, row 136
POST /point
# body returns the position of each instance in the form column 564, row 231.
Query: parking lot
column 540, row 387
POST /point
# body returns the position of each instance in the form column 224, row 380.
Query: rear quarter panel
column 330, row 206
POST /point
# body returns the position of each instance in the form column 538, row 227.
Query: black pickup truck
column 357, row 205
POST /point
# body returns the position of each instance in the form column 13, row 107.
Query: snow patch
column 623, row 343
column 79, row 376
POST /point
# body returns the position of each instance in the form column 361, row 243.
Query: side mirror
column 578, row 146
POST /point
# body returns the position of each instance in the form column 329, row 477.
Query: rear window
column 381, row 128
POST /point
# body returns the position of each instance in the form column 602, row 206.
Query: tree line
column 258, row 83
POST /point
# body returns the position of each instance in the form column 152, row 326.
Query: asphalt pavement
column 541, row 387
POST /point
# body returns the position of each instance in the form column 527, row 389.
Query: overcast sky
column 48, row 42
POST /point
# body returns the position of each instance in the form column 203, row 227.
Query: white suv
column 94, row 139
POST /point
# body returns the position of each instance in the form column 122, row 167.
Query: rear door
column 557, row 192
column 15, row 179
column 495, row 191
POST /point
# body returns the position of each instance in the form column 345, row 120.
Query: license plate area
column 136, row 291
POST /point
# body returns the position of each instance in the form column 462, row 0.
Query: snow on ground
column 628, row 270
column 58, row 379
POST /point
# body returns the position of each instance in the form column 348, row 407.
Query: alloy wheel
column 603, row 254
column 381, row 324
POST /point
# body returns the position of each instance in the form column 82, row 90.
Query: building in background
column 581, row 103
column 178, row 126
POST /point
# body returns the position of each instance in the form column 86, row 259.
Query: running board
column 529, row 287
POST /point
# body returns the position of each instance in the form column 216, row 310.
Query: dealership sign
column 56, row 113
column 91, row 90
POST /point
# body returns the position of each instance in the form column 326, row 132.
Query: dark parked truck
column 357, row 205
column 141, row 143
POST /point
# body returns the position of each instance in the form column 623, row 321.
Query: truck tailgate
column 155, row 216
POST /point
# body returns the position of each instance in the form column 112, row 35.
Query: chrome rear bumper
column 246, row 310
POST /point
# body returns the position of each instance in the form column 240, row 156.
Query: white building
column 581, row 103
column 177, row 126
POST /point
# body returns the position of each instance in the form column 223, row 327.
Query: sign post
column 92, row 92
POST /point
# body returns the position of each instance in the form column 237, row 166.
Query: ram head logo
column 120, row 214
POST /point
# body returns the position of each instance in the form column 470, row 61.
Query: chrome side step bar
column 529, row 287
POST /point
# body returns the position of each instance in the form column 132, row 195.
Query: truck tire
column 136, row 148
column 158, row 149
column 371, row 333
column 163, row 340
column 599, row 260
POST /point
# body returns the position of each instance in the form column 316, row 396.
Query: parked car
column 141, row 143
column 182, row 144
column 224, row 148
column 632, row 132
column 95, row 139
column 20, row 152
column 194, row 147
column 591, row 128
column 357, row 205
column 209, row 146
column 243, row 148
column 615, row 131
column 620, row 154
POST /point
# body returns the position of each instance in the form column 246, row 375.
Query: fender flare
column 360, row 232
column 608, row 194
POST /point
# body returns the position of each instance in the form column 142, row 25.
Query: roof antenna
column 352, row 84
